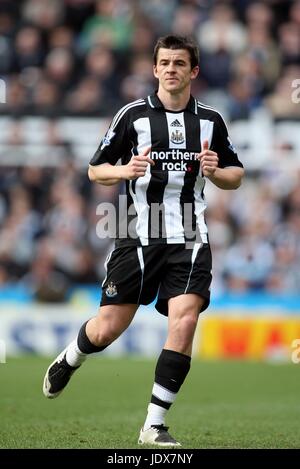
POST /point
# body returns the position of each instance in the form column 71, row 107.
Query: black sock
column 171, row 371
column 84, row 343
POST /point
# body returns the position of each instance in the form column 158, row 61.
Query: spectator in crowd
column 111, row 26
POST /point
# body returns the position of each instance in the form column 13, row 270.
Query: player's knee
column 181, row 333
column 105, row 337
column 185, row 325
column 188, row 323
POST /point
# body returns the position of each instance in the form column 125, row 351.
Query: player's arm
column 108, row 174
column 224, row 178
column 117, row 145
column 219, row 162
column 105, row 174
column 227, row 178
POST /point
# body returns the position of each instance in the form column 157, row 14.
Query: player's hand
column 208, row 160
column 138, row 164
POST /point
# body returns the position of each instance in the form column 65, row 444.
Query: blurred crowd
column 49, row 239
column 88, row 58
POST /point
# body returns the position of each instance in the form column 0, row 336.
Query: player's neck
column 174, row 102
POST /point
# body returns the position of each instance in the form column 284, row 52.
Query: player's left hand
column 208, row 160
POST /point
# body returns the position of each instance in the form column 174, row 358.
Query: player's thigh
column 133, row 276
column 188, row 272
column 186, row 305
column 123, row 277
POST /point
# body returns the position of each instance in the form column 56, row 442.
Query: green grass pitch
column 228, row 404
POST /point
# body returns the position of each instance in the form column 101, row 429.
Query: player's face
column 173, row 70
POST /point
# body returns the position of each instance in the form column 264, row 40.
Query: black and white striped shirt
column 168, row 201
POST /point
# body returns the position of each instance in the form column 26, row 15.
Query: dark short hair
column 178, row 42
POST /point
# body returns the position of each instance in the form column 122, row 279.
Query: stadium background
column 66, row 67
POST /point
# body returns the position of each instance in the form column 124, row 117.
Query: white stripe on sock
column 163, row 394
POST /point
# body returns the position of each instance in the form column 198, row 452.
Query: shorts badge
column 111, row 290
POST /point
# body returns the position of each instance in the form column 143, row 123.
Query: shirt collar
column 155, row 102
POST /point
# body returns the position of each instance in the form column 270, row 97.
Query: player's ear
column 155, row 71
column 194, row 72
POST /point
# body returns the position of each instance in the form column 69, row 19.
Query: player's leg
column 172, row 367
column 182, row 322
column 94, row 336
column 120, row 294
column 183, row 294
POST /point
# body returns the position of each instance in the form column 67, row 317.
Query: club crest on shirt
column 111, row 290
column 177, row 137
